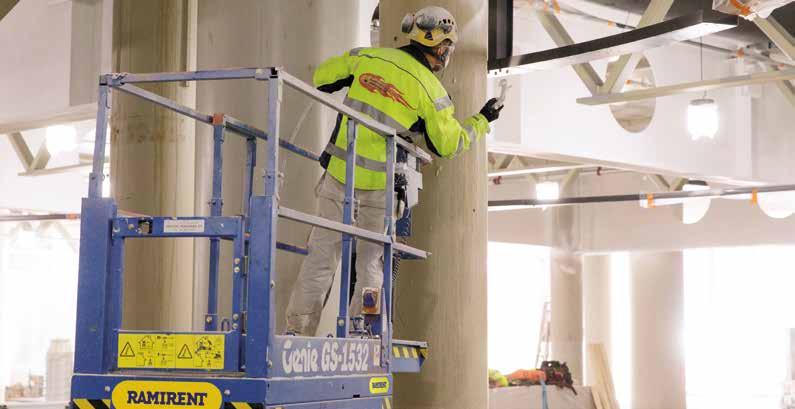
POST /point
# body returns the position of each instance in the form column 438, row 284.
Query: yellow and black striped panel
column 409, row 352
column 243, row 405
column 91, row 403
column 387, row 403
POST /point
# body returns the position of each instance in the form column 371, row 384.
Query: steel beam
column 698, row 86
column 70, row 114
column 39, row 217
column 6, row 6
column 41, row 159
column 55, row 170
column 569, row 179
column 778, row 34
column 533, row 171
column 21, row 148
column 625, row 65
column 659, row 181
column 561, row 37
column 679, row 29
column 788, row 90
column 506, row 162
column 637, row 197
column 678, row 184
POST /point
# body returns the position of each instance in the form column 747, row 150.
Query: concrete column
column 152, row 157
column 566, row 280
column 658, row 367
column 297, row 35
column 596, row 304
column 566, row 307
column 443, row 300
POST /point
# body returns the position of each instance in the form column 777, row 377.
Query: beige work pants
column 325, row 247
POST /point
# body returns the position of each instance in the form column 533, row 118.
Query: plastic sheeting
column 529, row 397
column 749, row 9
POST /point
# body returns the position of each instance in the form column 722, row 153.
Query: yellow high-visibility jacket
column 397, row 89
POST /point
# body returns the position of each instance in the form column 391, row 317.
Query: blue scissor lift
column 237, row 362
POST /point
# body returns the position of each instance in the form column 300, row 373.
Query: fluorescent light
column 60, row 138
column 547, row 191
column 702, row 118
column 494, row 209
column 694, row 209
column 778, row 205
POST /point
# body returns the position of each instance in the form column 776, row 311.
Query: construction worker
column 396, row 87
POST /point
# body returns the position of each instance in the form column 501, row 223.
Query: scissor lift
column 238, row 361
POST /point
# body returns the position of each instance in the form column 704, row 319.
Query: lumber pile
column 602, row 388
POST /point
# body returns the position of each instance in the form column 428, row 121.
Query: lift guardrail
column 240, row 355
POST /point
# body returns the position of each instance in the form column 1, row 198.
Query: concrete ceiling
column 747, row 33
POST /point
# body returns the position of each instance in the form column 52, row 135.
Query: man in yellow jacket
column 398, row 88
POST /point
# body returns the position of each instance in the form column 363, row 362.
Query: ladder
column 238, row 361
column 542, row 352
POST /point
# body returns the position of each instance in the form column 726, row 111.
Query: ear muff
column 407, row 23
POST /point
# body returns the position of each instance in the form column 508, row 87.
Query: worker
column 396, row 87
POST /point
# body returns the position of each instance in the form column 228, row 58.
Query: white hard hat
column 430, row 26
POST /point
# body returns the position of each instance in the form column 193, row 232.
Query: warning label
column 171, row 351
column 183, row 226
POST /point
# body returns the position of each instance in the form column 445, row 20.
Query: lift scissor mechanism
column 236, row 361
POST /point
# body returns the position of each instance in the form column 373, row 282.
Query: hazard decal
column 171, row 351
column 375, row 83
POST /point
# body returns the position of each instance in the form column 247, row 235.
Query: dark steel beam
column 500, row 29
column 6, row 6
column 679, row 29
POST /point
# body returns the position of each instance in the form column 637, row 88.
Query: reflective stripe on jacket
column 392, row 87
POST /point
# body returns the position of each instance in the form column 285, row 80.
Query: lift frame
column 253, row 368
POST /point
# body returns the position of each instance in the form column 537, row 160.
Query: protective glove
column 491, row 111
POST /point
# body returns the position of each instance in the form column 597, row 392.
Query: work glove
column 491, row 111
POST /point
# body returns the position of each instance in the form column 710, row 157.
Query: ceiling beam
column 787, row 90
column 659, row 181
column 626, row 64
column 678, row 184
column 778, row 34
column 41, row 159
column 70, row 114
column 506, row 162
column 687, row 27
column 561, row 37
column 698, row 86
column 6, row 6
column 55, row 170
column 511, row 204
column 531, row 171
column 21, row 148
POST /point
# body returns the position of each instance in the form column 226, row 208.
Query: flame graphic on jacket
column 375, row 83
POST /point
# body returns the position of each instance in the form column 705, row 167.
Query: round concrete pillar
column 566, row 280
column 566, row 310
column 596, row 305
column 658, row 361
column 443, row 300
column 152, row 161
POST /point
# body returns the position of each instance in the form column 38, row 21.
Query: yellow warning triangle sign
column 127, row 351
column 184, row 353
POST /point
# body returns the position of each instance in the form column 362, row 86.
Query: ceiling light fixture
column 703, row 116
column 547, row 191
column 60, row 138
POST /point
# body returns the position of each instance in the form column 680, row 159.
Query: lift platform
column 235, row 362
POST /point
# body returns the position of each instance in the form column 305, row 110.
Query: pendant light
column 702, row 113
